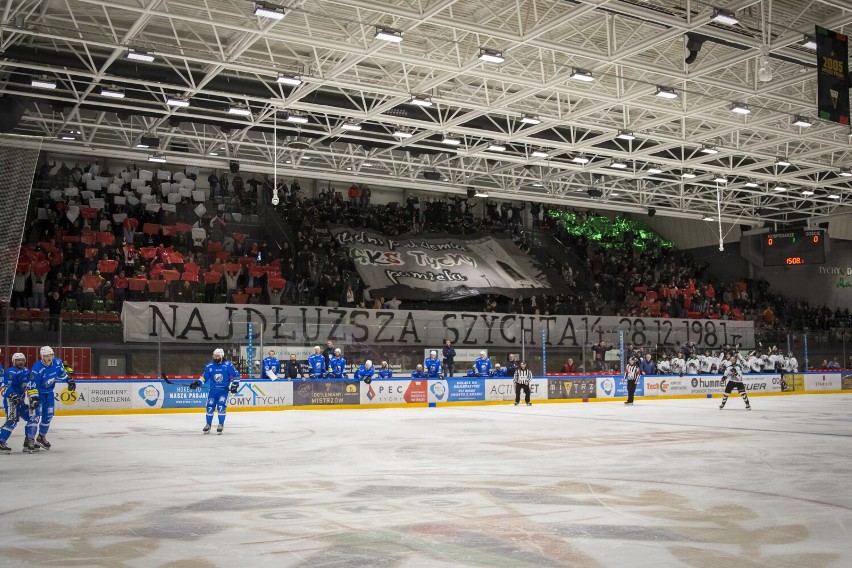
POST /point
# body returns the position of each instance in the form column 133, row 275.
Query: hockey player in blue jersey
column 432, row 366
column 385, row 372
column 482, row 366
column 223, row 379
column 365, row 372
column 317, row 364
column 18, row 385
column 418, row 373
column 337, row 364
column 46, row 373
column 271, row 366
column 498, row 371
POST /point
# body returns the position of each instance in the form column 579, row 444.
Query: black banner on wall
column 832, row 75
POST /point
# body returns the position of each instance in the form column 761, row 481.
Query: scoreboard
column 794, row 247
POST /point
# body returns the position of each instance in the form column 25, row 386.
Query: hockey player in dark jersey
column 734, row 378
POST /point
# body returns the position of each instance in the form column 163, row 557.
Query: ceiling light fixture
column 720, row 178
column 368, row 164
column 139, row 55
column 706, row 218
column 213, row 154
column 497, row 147
column 780, row 187
column 581, row 75
column 654, row 169
column 846, row 172
column 177, row 101
column 67, row 137
column 159, row 158
column 451, row 140
column 666, row 93
column 267, row 10
column 540, row 154
column 350, row 125
column 580, row 159
column 783, row 162
column 537, row 184
column 807, row 192
column 809, row 42
column 491, row 55
column 285, row 79
column 618, row 164
column 801, row 121
column 626, row 135
column 726, row 17
column 421, row 100
column 751, row 183
column 389, row 34
column 688, row 174
column 402, row 133
column 296, row 117
column 239, row 110
column 43, row 82
column 705, row 149
column 740, row 108
column 833, row 196
column 480, row 193
column 530, row 119
column 112, row 92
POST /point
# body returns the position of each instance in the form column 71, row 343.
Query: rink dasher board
column 139, row 396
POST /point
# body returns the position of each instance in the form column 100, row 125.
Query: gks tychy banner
column 441, row 267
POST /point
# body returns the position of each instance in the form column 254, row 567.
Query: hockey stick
column 166, row 379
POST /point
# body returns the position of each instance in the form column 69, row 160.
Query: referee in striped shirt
column 523, row 376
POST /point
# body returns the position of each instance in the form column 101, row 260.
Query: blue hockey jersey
column 432, row 367
column 46, row 377
column 317, row 365
column 338, row 366
column 220, row 375
column 482, row 366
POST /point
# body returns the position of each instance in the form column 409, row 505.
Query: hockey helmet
column 46, row 350
column 368, row 364
column 220, row 352
column 19, row 356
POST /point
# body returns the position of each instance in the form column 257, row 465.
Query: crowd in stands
column 97, row 238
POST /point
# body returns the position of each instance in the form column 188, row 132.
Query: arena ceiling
column 219, row 53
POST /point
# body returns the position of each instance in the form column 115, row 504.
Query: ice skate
column 30, row 446
column 721, row 407
column 41, row 440
column 628, row 404
column 516, row 404
column 529, row 404
column 206, row 429
column 748, row 407
column 219, row 428
column 4, row 449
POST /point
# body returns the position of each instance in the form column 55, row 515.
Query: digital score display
column 793, row 248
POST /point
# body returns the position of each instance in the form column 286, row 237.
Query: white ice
column 665, row 483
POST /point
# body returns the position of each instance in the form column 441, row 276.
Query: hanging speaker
column 235, row 167
column 471, row 192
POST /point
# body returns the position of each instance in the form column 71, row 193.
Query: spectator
column 834, row 363
column 328, row 352
column 648, row 366
column 600, row 355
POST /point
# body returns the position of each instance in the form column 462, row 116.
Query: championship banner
column 294, row 325
column 832, row 75
column 441, row 267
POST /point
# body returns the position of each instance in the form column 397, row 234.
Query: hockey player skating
column 46, row 373
column 733, row 378
column 632, row 372
column 223, row 378
column 19, row 386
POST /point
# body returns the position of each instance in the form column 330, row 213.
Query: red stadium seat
column 239, row 298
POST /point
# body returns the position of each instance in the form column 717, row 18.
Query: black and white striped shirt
column 523, row 376
column 632, row 372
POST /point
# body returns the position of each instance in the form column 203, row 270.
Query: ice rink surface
column 665, row 483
